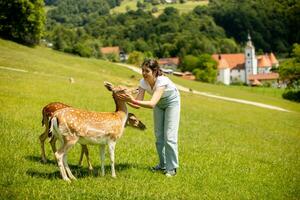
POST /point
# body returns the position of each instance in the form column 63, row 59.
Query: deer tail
column 53, row 125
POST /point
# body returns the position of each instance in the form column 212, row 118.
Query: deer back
column 49, row 110
column 87, row 124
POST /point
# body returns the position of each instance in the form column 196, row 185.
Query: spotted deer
column 48, row 111
column 73, row 125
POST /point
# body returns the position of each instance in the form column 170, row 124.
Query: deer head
column 132, row 120
column 116, row 89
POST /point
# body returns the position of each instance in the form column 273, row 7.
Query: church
column 246, row 67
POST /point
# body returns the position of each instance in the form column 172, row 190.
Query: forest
column 220, row 27
column 82, row 26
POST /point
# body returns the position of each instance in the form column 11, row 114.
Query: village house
column 169, row 63
column 185, row 75
column 246, row 67
column 110, row 52
column 169, row 66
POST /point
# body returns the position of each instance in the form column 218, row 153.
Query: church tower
column 250, row 59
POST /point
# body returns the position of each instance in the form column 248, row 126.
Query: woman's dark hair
column 153, row 65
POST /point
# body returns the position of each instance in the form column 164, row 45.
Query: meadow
column 227, row 150
column 181, row 7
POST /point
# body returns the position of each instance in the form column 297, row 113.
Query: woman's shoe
column 157, row 168
column 171, row 173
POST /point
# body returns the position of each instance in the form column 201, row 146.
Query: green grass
column 182, row 8
column 271, row 96
column 227, row 150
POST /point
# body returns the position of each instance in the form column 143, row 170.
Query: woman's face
column 147, row 73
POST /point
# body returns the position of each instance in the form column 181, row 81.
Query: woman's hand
column 126, row 97
column 133, row 105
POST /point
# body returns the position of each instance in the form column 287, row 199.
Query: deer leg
column 81, row 156
column 59, row 157
column 68, row 170
column 42, row 138
column 69, row 143
column 86, row 152
column 102, row 155
column 111, row 147
column 53, row 143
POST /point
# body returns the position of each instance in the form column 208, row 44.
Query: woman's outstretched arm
column 146, row 104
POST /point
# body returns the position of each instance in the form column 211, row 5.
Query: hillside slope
column 227, row 150
column 182, row 8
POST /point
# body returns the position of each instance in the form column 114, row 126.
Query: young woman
column 165, row 103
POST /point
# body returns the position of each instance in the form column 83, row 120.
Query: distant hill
column 132, row 5
column 80, row 26
column 182, row 7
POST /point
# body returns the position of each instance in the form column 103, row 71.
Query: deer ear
column 108, row 85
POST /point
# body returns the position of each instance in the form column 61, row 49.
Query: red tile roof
column 236, row 61
column 268, row 76
column 273, row 59
column 267, row 60
column 263, row 61
column 168, row 61
column 223, row 64
column 108, row 50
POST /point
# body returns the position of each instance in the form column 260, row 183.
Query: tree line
column 220, row 27
column 273, row 24
column 170, row 34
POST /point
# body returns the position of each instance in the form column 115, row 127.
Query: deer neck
column 121, row 107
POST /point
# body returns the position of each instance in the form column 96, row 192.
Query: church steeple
column 249, row 42
column 250, row 59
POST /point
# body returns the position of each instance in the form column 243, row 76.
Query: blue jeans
column 166, row 115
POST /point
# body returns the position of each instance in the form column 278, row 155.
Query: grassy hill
column 183, row 8
column 227, row 150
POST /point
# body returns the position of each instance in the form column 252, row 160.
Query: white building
column 245, row 67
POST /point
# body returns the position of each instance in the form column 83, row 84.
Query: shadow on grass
column 38, row 159
column 80, row 172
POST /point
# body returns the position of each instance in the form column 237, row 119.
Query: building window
column 248, row 54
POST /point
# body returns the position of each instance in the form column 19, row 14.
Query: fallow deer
column 48, row 111
column 73, row 125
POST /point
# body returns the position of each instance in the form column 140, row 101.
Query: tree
column 78, row 12
column 82, row 50
column 136, row 58
column 22, row 20
column 289, row 71
column 271, row 23
column 228, row 46
column 63, row 39
column 140, row 5
column 204, row 67
column 189, row 63
column 206, row 70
